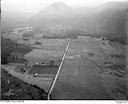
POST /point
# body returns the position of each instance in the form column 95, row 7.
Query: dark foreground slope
column 15, row 89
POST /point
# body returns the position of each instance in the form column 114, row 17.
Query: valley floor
column 92, row 69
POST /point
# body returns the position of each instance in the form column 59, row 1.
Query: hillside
column 109, row 18
column 9, row 19
column 15, row 89
column 60, row 20
column 56, row 13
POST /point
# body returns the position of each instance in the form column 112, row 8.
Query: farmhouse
column 105, row 38
column 38, row 43
column 24, row 28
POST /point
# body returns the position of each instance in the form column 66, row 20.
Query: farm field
column 48, row 44
column 84, row 76
column 52, row 44
column 38, row 55
column 45, row 70
column 91, row 69
column 48, row 49
column 42, row 82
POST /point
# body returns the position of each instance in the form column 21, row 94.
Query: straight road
column 52, row 86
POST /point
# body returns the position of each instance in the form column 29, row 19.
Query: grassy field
column 84, row 77
column 92, row 69
column 79, row 79
column 39, row 55
column 54, row 44
column 48, row 49
column 49, row 44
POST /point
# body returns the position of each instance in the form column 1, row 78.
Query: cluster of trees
column 120, row 39
column 8, row 46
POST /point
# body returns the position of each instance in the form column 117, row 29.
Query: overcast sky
column 37, row 5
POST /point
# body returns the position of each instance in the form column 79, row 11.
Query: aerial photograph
column 64, row 50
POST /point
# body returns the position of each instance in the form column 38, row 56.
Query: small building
column 105, row 38
column 108, row 64
column 38, row 43
column 28, row 28
column 23, row 69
